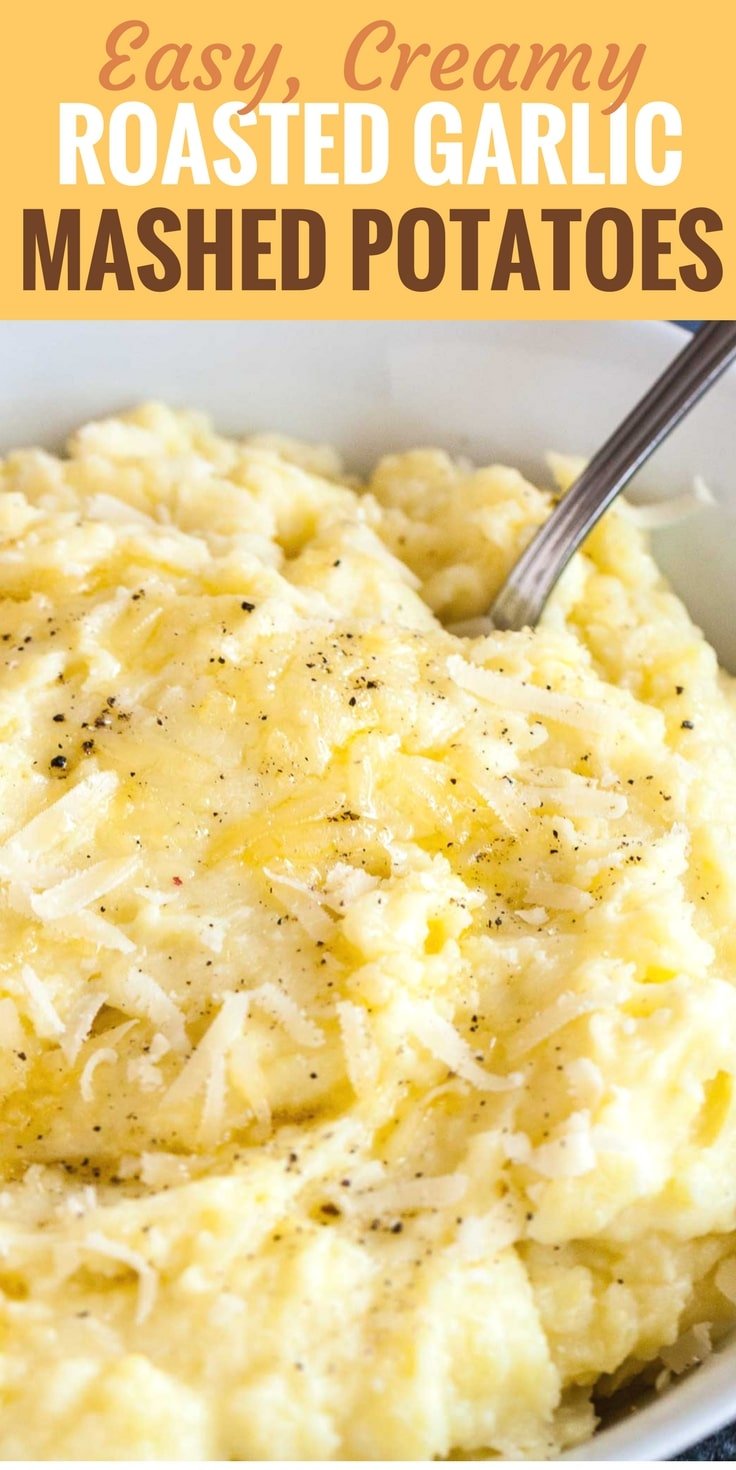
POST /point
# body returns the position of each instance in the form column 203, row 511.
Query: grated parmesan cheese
column 74, row 893
column 407, row 1195
column 565, row 1009
column 445, row 1043
column 344, row 884
column 115, row 1250
column 103, row 1054
column 79, row 1024
column 515, row 694
column 481, row 1237
column 212, row 1049
column 138, row 993
column 552, row 895
column 277, row 1004
column 570, row 794
column 534, row 917
column 362, row 1057
column 570, row 1154
column 93, row 929
column 307, row 907
column 69, row 816
column 43, row 1014
column 249, row 1079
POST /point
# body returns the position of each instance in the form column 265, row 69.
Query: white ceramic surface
column 490, row 390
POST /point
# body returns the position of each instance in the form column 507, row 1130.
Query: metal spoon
column 521, row 600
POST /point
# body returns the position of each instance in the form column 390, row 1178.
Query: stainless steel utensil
column 520, row 602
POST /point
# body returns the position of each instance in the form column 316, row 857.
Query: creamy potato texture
column 368, row 992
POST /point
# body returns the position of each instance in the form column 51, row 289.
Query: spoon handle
column 522, row 597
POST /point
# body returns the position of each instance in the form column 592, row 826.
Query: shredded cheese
column 362, row 1057
column 514, row 694
column 79, row 1024
column 552, row 895
column 74, row 893
column 306, row 906
column 103, row 1054
column 115, row 1250
column 66, row 818
column 570, row 1154
column 568, row 1007
column 43, row 1013
column 141, row 995
column 445, row 1043
column 95, row 930
column 212, row 1049
column 402, row 1198
column 276, row 1003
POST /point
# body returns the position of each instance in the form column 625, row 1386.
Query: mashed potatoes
column 368, row 994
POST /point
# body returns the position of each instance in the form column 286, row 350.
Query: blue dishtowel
column 721, row 1447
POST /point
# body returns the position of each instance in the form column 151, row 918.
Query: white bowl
column 506, row 391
